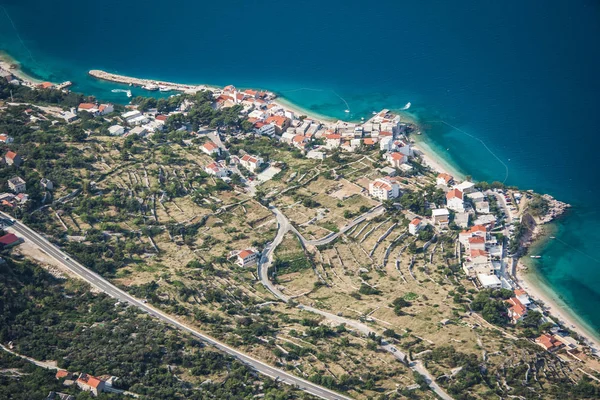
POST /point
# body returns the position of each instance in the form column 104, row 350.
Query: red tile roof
column 89, row 380
column 478, row 253
column 9, row 239
column 210, row 146
column 333, row 136
column 61, row 373
column 87, row 106
column 454, row 193
column 446, row 177
column 397, row 156
column 11, row 155
column 415, row 221
column 476, row 240
column 245, row 253
column 547, row 341
column 162, row 117
column 277, row 120
column 369, row 142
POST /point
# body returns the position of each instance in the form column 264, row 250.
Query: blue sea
column 507, row 91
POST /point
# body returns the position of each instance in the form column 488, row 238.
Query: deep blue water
column 520, row 76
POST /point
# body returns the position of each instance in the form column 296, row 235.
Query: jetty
column 147, row 83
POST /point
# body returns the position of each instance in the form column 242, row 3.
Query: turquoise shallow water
column 522, row 78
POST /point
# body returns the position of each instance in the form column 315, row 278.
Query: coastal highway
column 102, row 284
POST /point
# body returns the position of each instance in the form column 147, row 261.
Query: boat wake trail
column 17, row 33
column 347, row 110
column 480, row 141
column 576, row 249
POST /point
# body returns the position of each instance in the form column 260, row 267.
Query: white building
column 482, row 207
column 246, row 258
column 444, row 179
column 489, row 281
column 414, row 226
column 17, row 184
column 333, row 141
column 116, row 130
column 210, row 148
column 454, row 200
column 465, row 187
column 440, row 216
column 384, row 189
column 251, row 163
column 217, row 169
column 139, row 131
column 396, row 159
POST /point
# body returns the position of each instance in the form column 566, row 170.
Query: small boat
column 535, row 256
column 406, row 107
column 164, row 89
column 346, row 111
column 374, row 112
column 150, row 87
column 552, row 237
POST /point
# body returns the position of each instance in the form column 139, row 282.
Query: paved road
column 334, row 235
column 284, row 226
column 102, row 284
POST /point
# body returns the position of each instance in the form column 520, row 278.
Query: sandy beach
column 555, row 306
column 10, row 64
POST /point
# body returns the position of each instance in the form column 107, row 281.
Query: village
column 402, row 224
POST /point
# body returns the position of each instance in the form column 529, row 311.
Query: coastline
column 8, row 63
column 537, row 290
column 528, row 277
column 432, row 157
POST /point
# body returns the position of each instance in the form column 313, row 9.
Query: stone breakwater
column 127, row 80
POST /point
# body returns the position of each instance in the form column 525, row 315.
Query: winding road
column 102, row 284
column 284, row 226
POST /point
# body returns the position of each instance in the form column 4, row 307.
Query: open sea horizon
column 505, row 91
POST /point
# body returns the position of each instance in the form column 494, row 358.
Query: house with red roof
column 4, row 138
column 246, row 258
column 396, row 159
column 88, row 107
column 46, row 85
column 444, row 179
column 12, row 158
column 251, row 163
column 280, row 123
column 478, row 256
column 300, row 142
column 210, row 148
column 476, row 243
column 333, row 140
column 384, row 189
column 9, row 240
column 548, row 342
column 414, row 226
column 454, row 200
column 516, row 309
column 217, row 169
column 90, row 383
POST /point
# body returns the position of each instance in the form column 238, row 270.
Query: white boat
column 346, row 111
column 164, row 89
column 406, row 107
column 535, row 256
column 150, row 87
column 552, row 237
column 127, row 92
